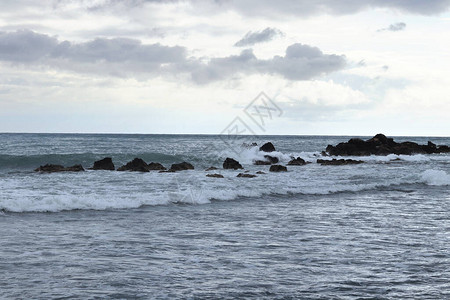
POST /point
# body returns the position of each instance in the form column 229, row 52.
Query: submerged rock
column 278, row 168
column 297, row 162
column 49, row 168
column 267, row 147
column 260, row 172
column 181, row 167
column 104, row 164
column 382, row 145
column 244, row 175
column 230, row 163
column 136, row 165
column 339, row 162
column 211, row 169
column 214, row 175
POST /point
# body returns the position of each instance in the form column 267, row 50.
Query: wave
column 436, row 177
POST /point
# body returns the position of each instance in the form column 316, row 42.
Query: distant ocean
column 377, row 230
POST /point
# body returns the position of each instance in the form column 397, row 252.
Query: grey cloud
column 130, row 58
column 252, row 38
column 394, row 27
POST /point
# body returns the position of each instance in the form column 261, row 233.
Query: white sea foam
column 436, row 177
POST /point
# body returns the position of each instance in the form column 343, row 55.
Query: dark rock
column 297, row 162
column 155, row 167
column 260, row 173
column 245, row 175
column 211, row 169
column 104, row 164
column 49, row 168
column 181, row 167
column 214, row 175
column 278, row 168
column 136, row 165
column 443, row 149
column 230, row 163
column 246, row 145
column 338, row 162
column 382, row 145
column 267, row 147
column 261, row 162
column 269, row 160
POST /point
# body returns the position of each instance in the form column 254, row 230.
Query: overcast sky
column 350, row 67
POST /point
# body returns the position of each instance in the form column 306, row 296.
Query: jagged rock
column 136, row 165
column 260, row 173
column 104, row 164
column 230, row 163
column 155, row 167
column 214, row 175
column 243, row 175
column 278, row 168
column 49, row 168
column 247, row 145
column 382, row 145
column 297, row 162
column 211, row 169
column 339, row 162
column 181, row 167
column 267, row 147
column 269, row 160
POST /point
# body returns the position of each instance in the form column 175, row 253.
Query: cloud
column 394, row 27
column 125, row 57
column 252, row 38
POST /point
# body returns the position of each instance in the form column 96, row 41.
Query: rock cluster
column 49, row 168
column 338, row 162
column 297, row 162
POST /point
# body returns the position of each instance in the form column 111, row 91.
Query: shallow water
column 379, row 230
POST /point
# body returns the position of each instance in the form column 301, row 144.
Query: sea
column 377, row 230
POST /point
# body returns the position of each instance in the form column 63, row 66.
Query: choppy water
column 379, row 230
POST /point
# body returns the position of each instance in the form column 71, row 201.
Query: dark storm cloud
column 129, row 57
column 252, row 38
column 394, row 27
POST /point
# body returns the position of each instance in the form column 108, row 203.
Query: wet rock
column 297, row 162
column 104, row 164
column 267, row 147
column 260, row 173
column 230, row 163
column 339, row 162
column 269, row 160
column 382, row 145
column 211, row 169
column 181, row 167
column 155, row 167
column 136, row 165
column 261, row 163
column 214, row 175
column 50, row 168
column 243, row 175
column 278, row 168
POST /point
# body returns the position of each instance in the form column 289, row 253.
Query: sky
column 325, row 67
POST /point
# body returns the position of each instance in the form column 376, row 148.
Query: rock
column 338, row 162
column 211, row 169
column 155, row 167
column 136, row 165
column 269, row 160
column 181, row 167
column 267, row 147
column 230, row 163
column 260, row 173
column 297, row 162
column 247, row 145
column 261, row 162
column 49, row 168
column 278, row 168
column 382, row 145
column 245, row 175
column 104, row 164
column 214, row 175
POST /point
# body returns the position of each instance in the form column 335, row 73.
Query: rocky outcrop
column 214, row 175
column 278, row 168
column 155, row 167
column 104, row 164
column 136, row 165
column 243, row 175
column 297, row 162
column 230, row 163
column 382, row 145
column 49, row 168
column 338, row 162
column 181, row 167
column 269, row 160
column 267, row 147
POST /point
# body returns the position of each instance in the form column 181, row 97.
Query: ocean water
column 379, row 230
